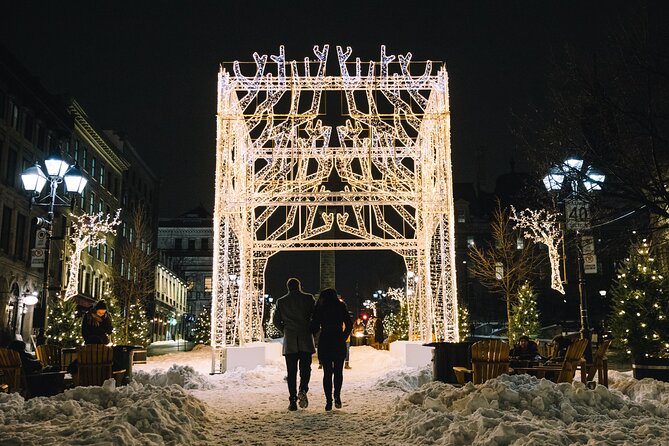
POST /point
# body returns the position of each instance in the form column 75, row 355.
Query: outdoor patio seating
column 490, row 359
column 95, row 366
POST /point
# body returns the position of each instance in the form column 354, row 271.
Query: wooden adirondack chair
column 10, row 368
column 599, row 366
column 49, row 355
column 95, row 365
column 572, row 359
column 490, row 359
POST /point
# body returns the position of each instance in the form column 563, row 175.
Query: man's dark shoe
column 293, row 404
column 328, row 406
column 338, row 402
column 302, row 399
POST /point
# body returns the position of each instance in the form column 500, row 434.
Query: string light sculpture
column 88, row 230
column 275, row 158
column 541, row 226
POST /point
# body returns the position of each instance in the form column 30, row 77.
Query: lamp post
column 572, row 176
column 33, row 178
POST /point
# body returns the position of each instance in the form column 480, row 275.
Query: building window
column 91, row 203
column 20, row 245
column 10, row 172
column 111, row 256
column 461, row 216
column 105, row 253
column 93, row 167
column 76, row 151
column 28, row 127
column 84, row 158
column 470, row 241
column 520, row 243
column 102, row 175
column 6, row 228
column 204, row 244
column 191, row 244
column 178, row 243
column 207, row 284
column 14, row 115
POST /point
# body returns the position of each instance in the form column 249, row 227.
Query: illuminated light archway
column 275, row 162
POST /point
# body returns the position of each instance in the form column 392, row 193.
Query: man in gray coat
column 292, row 317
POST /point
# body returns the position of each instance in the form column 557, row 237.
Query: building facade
column 186, row 245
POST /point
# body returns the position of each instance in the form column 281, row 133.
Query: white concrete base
column 250, row 356
column 411, row 353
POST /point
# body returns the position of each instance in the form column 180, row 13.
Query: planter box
column 656, row 368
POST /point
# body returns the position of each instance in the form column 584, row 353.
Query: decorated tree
column 88, row 230
column 505, row 264
column 202, row 332
column 641, row 305
column 270, row 330
column 464, row 324
column 524, row 314
column 133, row 327
column 396, row 323
column 64, row 327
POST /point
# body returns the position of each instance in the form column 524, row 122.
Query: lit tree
column 524, row 314
column 506, row 263
column 464, row 324
column 88, row 230
column 541, row 226
column 641, row 305
column 270, row 330
column 396, row 324
column 134, row 283
column 64, row 327
column 202, row 330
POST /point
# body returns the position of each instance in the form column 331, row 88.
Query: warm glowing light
column 275, row 157
column 541, row 226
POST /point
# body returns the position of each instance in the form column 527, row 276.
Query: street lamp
column 577, row 218
column 34, row 179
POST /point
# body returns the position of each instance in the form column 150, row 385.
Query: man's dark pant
column 292, row 360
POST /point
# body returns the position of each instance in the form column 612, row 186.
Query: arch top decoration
column 286, row 181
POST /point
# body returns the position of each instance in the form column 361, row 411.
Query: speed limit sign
column 578, row 215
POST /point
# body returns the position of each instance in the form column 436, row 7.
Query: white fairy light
column 87, row 230
column 541, row 226
column 274, row 159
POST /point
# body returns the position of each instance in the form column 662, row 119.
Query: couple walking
column 299, row 319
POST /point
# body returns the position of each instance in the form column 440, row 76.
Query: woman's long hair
column 328, row 298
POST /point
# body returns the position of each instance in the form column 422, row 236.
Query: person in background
column 559, row 346
column 332, row 319
column 292, row 317
column 526, row 349
column 29, row 363
column 96, row 325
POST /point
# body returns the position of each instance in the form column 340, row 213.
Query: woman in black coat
column 96, row 325
column 332, row 319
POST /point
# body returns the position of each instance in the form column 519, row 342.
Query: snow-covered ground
column 174, row 400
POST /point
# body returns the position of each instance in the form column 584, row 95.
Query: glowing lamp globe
column 56, row 167
column 74, row 181
column 33, row 179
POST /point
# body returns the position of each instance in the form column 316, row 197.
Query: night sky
column 149, row 68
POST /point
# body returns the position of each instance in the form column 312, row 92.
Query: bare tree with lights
column 88, row 230
column 506, row 263
column 135, row 284
column 541, row 226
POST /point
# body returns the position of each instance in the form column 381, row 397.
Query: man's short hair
column 293, row 284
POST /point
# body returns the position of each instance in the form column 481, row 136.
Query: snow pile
column 643, row 391
column 184, row 376
column 523, row 410
column 407, row 379
column 130, row 415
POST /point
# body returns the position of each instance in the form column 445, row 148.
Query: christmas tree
column 64, row 323
column 133, row 329
column 524, row 315
column 640, row 305
column 464, row 325
column 203, row 327
column 396, row 324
